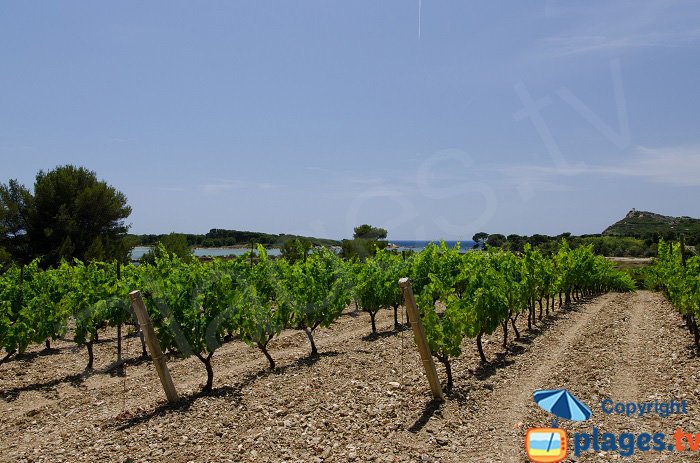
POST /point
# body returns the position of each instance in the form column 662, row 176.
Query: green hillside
column 217, row 237
column 648, row 225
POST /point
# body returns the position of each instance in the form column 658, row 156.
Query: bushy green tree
column 70, row 214
column 497, row 240
column 368, row 232
column 366, row 240
column 480, row 239
column 71, row 209
column 15, row 207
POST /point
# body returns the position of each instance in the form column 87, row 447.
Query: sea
column 420, row 245
column 139, row 251
column 402, row 245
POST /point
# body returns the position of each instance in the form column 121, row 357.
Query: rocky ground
column 364, row 399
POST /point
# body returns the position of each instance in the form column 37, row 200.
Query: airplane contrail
column 420, row 4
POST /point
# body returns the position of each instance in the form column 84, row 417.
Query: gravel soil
column 365, row 398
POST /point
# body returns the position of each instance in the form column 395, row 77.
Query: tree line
column 604, row 245
column 217, row 237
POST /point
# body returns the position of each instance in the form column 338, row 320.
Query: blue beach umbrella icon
column 562, row 404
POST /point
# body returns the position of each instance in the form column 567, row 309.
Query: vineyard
column 287, row 343
column 196, row 306
column 680, row 281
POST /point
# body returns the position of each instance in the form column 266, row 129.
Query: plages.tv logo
column 549, row 445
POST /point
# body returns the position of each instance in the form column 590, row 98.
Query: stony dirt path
column 364, row 399
column 515, row 398
column 640, row 353
column 622, row 347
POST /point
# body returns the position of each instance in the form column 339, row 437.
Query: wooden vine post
column 421, row 340
column 153, row 346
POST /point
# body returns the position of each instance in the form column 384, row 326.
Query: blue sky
column 432, row 119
